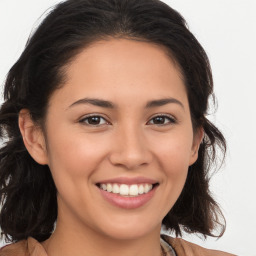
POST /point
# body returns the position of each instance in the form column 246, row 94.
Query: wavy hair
column 27, row 190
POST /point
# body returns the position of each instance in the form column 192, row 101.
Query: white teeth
column 134, row 190
column 103, row 186
column 109, row 187
column 124, row 190
column 141, row 189
column 147, row 188
column 127, row 190
column 116, row 189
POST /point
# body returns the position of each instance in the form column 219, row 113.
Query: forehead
column 119, row 68
column 131, row 53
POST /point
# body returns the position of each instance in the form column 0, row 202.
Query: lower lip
column 128, row 202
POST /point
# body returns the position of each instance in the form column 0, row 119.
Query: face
column 119, row 139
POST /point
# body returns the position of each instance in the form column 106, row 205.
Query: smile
column 126, row 190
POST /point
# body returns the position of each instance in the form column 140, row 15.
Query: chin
column 130, row 229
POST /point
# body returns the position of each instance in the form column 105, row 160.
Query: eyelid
column 84, row 117
column 172, row 119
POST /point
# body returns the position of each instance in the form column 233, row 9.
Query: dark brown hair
column 27, row 190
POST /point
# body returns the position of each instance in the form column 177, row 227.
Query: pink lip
column 128, row 202
column 129, row 181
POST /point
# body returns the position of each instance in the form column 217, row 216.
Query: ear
column 198, row 137
column 33, row 137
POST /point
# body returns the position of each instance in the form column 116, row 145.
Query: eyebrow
column 95, row 102
column 109, row 104
column 162, row 102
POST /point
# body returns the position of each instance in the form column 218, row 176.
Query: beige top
column 31, row 247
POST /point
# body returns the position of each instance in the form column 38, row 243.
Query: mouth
column 127, row 190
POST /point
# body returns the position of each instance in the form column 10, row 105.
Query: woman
column 106, row 138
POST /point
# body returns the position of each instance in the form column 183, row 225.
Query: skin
column 128, row 142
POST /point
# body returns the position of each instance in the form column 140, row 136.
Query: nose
column 130, row 149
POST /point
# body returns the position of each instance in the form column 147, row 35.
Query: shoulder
column 29, row 247
column 20, row 248
column 185, row 248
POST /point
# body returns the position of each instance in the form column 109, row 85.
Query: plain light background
column 227, row 31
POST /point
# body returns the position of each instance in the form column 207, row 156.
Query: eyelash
column 170, row 120
column 84, row 120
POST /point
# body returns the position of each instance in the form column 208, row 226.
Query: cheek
column 74, row 158
column 174, row 155
column 176, row 165
column 174, row 152
column 173, row 161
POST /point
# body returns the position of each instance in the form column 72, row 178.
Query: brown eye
column 94, row 120
column 161, row 120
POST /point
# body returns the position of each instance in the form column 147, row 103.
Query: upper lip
column 128, row 180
